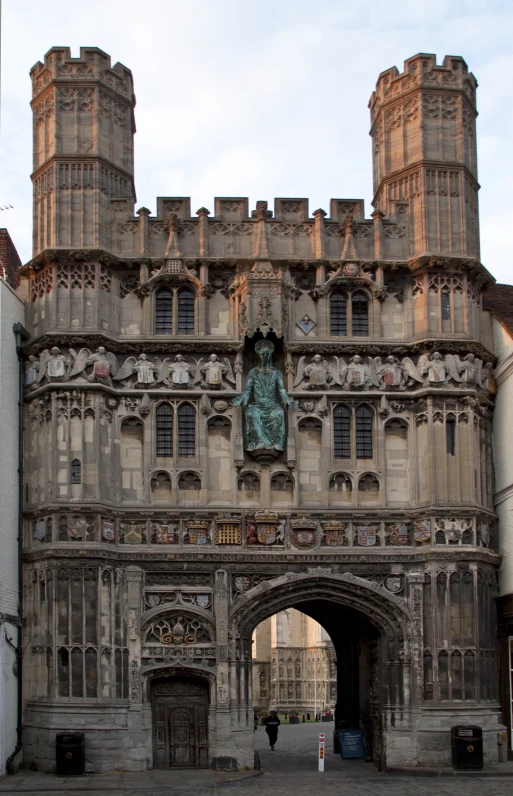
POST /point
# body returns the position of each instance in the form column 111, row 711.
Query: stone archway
column 370, row 628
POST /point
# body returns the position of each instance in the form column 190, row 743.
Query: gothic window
column 175, row 311
column 340, row 482
column 189, row 481
column 342, row 432
column 282, row 482
column 164, row 311
column 164, row 430
column 185, row 311
column 248, row 482
column 76, row 472
column 338, row 313
column 186, row 430
column 368, row 483
column 349, row 314
column 360, row 312
column 450, row 435
column 364, row 417
column 446, row 305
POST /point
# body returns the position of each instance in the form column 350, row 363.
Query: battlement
column 421, row 71
column 235, row 210
column 92, row 64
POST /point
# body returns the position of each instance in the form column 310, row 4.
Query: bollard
column 322, row 741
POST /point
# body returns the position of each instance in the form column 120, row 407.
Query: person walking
column 272, row 723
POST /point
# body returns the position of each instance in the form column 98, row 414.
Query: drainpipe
column 21, row 335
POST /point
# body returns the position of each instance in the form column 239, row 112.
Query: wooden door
column 180, row 708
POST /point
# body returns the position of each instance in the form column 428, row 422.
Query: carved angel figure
column 210, row 373
column 142, row 367
column 176, row 374
column 105, row 364
column 487, row 380
column 320, row 373
column 54, row 365
column 392, row 375
column 31, row 371
column 437, row 369
column 361, row 375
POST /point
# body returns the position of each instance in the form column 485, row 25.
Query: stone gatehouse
column 233, row 413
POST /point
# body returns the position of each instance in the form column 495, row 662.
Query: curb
column 448, row 772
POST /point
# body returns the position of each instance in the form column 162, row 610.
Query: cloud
column 264, row 101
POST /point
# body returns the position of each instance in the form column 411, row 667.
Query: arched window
column 342, row 432
column 340, row 482
column 446, row 305
column 76, row 472
column 164, row 430
column 360, row 313
column 164, row 311
column 248, row 482
column 186, row 430
column 368, row 483
column 364, row 417
column 185, row 311
column 338, row 313
column 189, row 481
column 282, row 482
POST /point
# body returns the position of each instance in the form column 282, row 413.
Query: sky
column 238, row 98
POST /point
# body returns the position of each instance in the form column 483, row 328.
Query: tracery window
column 186, row 430
column 342, row 432
column 76, row 472
column 364, row 422
column 175, row 311
column 164, row 311
column 360, row 311
column 185, row 311
column 350, row 435
column 164, row 430
column 338, row 313
column 349, row 314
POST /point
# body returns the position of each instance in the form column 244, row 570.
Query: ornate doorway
column 180, row 709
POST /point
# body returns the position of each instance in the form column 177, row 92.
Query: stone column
column 416, row 600
column 134, row 578
column 223, row 753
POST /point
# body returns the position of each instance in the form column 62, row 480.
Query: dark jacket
column 272, row 722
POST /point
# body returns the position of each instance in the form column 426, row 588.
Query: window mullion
column 349, row 314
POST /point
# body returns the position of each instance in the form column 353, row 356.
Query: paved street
column 291, row 770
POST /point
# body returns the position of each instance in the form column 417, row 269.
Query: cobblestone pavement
column 291, row 770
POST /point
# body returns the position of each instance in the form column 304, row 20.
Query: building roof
column 498, row 300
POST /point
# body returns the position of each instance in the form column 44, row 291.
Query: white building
column 12, row 312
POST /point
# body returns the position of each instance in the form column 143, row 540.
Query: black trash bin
column 467, row 746
column 70, row 754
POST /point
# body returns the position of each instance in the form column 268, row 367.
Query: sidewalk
column 497, row 770
column 177, row 780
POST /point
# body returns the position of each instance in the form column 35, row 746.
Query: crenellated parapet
column 424, row 153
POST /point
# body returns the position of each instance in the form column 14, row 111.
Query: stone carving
column 228, row 530
column 176, row 374
column 52, row 364
column 177, row 631
column 439, row 370
column 197, row 532
column 334, row 533
column 142, row 367
column 264, row 398
column 304, row 532
column 210, row 374
column 105, row 365
column 319, row 373
column 394, row 373
column 166, row 534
